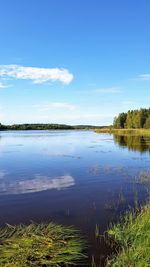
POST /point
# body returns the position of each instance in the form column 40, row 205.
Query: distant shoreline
column 124, row 131
column 51, row 126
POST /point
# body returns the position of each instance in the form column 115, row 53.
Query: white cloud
column 56, row 105
column 3, row 85
column 110, row 90
column 73, row 119
column 36, row 75
column 88, row 116
column 144, row 77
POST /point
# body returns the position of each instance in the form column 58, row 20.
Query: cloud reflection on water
column 2, row 174
column 39, row 183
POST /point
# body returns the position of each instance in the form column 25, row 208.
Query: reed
column 39, row 245
column 97, row 231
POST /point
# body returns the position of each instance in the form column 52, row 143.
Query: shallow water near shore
column 77, row 178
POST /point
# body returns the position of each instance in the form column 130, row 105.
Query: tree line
column 133, row 119
column 34, row 126
column 48, row 126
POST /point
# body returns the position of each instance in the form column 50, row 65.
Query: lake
column 77, row 178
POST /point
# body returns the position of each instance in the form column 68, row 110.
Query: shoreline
column 141, row 132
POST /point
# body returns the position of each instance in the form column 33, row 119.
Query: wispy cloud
column 2, row 85
column 36, row 75
column 56, row 105
column 82, row 118
column 144, row 77
column 110, row 90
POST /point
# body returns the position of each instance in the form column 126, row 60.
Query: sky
column 73, row 61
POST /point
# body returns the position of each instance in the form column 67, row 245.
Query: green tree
column 147, row 123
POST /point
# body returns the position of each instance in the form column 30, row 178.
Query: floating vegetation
column 40, row 245
column 132, row 235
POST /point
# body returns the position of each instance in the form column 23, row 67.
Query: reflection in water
column 135, row 143
column 2, row 174
column 39, row 183
column 99, row 186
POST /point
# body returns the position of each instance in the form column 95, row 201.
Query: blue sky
column 73, row 61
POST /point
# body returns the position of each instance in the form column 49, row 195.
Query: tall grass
column 39, row 245
column 132, row 235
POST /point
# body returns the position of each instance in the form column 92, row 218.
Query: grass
column 145, row 132
column 132, row 235
column 39, row 245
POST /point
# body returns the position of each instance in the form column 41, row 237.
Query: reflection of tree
column 136, row 143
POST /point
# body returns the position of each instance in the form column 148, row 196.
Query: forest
column 48, row 126
column 133, row 119
column 35, row 126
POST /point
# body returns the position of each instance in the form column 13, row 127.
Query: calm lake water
column 75, row 178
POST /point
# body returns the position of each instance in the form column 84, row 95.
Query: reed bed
column 39, row 245
column 132, row 234
column 141, row 132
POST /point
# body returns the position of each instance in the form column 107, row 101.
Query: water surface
column 78, row 178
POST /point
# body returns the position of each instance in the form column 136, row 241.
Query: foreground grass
column 39, row 245
column 133, row 236
column 145, row 132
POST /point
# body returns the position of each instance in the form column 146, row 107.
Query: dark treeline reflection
column 135, row 143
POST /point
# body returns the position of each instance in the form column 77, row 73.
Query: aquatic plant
column 93, row 264
column 39, row 245
column 132, row 235
column 97, row 231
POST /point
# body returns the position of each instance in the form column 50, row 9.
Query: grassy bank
column 39, row 245
column 132, row 235
column 141, row 132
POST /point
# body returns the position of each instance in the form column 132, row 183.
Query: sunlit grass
column 39, row 245
column 132, row 235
